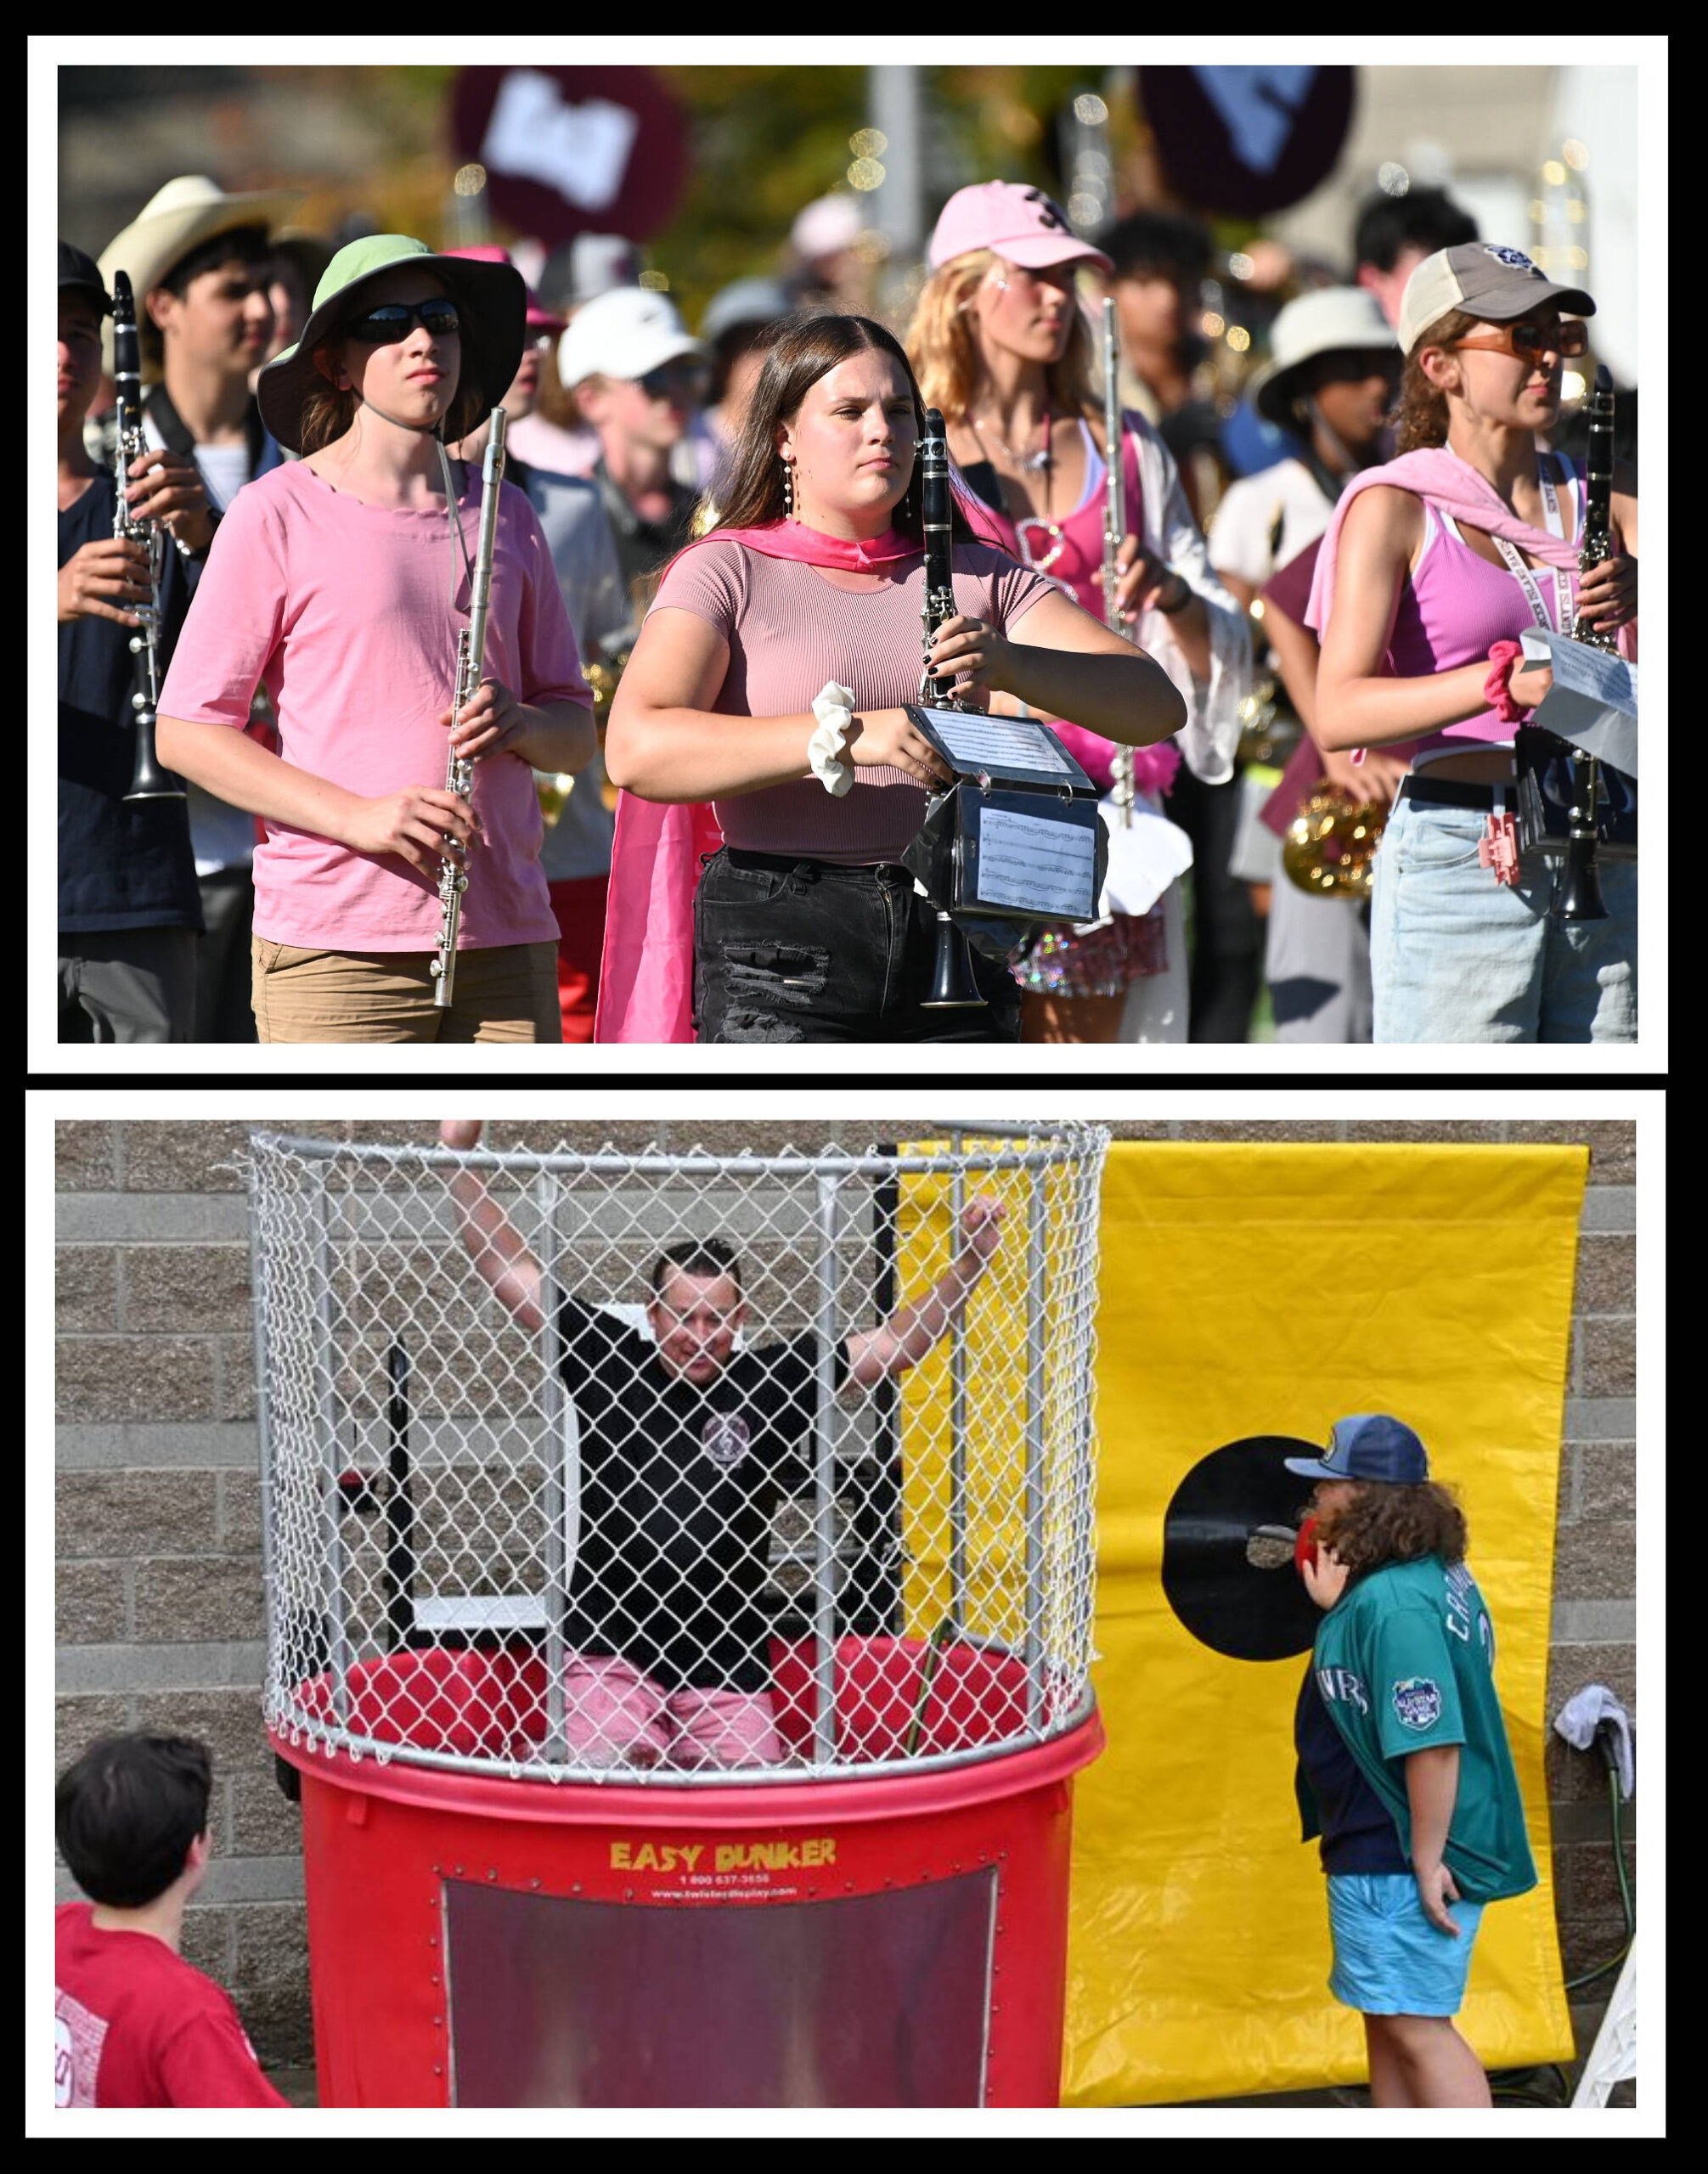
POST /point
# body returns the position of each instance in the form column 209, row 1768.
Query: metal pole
column 1038, row 1213
column 263, row 1413
column 558, row 1478
column 957, row 1404
column 337, row 1636
column 824, row 1478
column 894, row 104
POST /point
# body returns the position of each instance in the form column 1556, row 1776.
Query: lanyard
column 1526, row 577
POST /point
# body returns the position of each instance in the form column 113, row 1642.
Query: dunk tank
column 509, row 1903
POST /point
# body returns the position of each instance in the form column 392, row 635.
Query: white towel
column 1585, row 1712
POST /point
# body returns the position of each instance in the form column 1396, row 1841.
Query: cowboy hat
column 179, row 217
column 493, row 299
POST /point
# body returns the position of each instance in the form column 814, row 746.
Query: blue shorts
column 1388, row 1959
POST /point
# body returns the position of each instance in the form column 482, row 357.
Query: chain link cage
column 678, row 1466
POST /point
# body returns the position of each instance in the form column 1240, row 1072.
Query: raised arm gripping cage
column 924, row 1557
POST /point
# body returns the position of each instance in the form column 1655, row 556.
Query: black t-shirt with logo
column 678, row 1483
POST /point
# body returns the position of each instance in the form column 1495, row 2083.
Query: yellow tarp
column 1266, row 1290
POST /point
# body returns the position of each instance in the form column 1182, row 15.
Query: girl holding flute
column 770, row 679
column 340, row 582
column 1003, row 348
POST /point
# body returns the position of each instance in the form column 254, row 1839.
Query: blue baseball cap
column 1369, row 1445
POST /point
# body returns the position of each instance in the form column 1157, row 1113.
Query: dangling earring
column 788, row 491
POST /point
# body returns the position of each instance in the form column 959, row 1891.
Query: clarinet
column 1114, row 531
column 1581, row 896
column 472, row 647
column 953, row 981
column 149, row 781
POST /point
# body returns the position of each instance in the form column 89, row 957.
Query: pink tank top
column 1455, row 606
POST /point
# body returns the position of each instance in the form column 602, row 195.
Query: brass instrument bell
column 1330, row 846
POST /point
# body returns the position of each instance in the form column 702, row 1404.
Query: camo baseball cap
column 1484, row 278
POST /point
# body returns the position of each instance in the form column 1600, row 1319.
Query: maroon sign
column 1247, row 140
column 573, row 151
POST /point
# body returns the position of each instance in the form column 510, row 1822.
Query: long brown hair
column 1420, row 413
column 1386, row 1523
column 944, row 344
column 807, row 347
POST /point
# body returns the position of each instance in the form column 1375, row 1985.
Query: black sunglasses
column 690, row 378
column 391, row 321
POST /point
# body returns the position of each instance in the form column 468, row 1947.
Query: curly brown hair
column 1386, row 1523
column 1420, row 412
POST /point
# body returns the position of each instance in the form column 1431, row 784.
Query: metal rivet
column 491, row 1875
column 437, row 2069
column 533, row 1883
column 432, row 1941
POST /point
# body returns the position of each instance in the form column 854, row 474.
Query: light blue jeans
column 1457, row 957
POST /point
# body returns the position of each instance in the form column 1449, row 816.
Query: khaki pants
column 505, row 994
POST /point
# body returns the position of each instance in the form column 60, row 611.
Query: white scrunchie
column 833, row 708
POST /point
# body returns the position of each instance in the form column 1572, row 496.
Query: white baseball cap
column 625, row 332
column 1487, row 280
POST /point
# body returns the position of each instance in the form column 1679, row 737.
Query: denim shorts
column 1388, row 1959
column 1457, row 957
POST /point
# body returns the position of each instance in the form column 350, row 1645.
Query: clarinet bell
column 1580, row 896
column 953, row 985
column 149, row 779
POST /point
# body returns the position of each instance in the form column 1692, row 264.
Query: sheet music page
column 977, row 741
column 1036, row 861
column 1592, row 702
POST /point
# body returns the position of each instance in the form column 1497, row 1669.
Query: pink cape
column 647, row 978
column 1442, row 479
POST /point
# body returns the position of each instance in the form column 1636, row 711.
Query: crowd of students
column 316, row 421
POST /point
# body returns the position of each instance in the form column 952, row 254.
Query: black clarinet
column 1579, row 893
column 149, row 781
column 953, row 984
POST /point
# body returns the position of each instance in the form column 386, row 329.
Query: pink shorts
column 614, row 1715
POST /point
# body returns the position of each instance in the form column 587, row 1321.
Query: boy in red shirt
column 134, row 2024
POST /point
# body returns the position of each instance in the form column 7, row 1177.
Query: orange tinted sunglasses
column 1527, row 341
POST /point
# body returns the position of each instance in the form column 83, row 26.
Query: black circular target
column 1228, row 1552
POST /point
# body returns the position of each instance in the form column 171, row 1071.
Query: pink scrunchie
column 1497, row 688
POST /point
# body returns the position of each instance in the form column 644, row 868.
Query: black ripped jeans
column 805, row 951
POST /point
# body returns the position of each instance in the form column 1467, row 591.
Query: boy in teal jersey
column 1405, row 1771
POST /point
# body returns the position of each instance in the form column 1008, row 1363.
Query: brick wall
column 157, row 1550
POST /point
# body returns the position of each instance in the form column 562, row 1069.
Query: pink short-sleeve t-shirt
column 343, row 612
column 791, row 628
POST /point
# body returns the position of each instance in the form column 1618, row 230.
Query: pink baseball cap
column 540, row 318
column 1022, row 225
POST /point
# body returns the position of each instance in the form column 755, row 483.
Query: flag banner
column 1251, row 1294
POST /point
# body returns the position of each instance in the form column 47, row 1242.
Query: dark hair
column 1151, row 242
column 1385, row 1522
column 126, row 1813
column 807, row 346
column 248, row 245
column 706, row 1258
column 1423, row 218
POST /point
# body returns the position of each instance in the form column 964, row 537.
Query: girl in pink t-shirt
column 806, row 928
column 339, row 583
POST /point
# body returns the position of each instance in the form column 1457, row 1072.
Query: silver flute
column 471, row 649
column 1114, row 532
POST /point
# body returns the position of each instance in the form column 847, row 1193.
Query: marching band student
column 328, row 584
column 1431, row 568
column 201, row 263
column 809, row 592
column 1333, row 364
column 1003, row 348
column 128, row 909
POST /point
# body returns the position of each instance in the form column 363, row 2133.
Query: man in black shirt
column 129, row 914
column 683, row 1438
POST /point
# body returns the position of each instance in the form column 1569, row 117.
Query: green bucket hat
column 493, row 299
